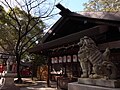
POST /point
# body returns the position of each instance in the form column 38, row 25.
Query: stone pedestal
column 8, row 82
column 76, row 86
column 100, row 82
column 94, row 84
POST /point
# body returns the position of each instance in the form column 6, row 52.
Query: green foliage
column 19, row 30
column 102, row 5
column 39, row 60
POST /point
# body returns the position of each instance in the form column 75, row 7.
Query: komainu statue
column 95, row 64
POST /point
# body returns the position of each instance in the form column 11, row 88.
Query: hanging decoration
column 68, row 58
column 56, row 60
column 60, row 59
column 64, row 59
column 74, row 58
column 65, row 47
column 52, row 60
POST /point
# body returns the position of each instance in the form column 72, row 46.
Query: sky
column 74, row 5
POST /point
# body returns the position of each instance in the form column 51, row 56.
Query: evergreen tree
column 102, row 5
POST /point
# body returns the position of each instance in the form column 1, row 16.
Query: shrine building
column 60, row 43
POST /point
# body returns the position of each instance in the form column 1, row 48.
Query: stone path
column 35, row 85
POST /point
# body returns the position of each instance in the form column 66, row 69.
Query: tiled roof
column 102, row 15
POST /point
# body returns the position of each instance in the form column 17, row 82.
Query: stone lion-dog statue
column 95, row 64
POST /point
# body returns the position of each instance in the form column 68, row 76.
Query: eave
column 72, row 38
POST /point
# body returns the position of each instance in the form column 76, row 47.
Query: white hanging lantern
column 68, row 58
column 60, row 59
column 74, row 58
column 56, row 60
column 64, row 59
column 52, row 59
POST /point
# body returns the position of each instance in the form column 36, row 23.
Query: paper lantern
column 68, row 58
column 74, row 58
column 60, row 59
column 56, row 60
column 64, row 59
column 52, row 60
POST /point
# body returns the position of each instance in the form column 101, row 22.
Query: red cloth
column 25, row 72
column 1, row 68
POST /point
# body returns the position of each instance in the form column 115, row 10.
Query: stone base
column 76, row 86
column 8, row 82
column 100, row 82
column 10, row 88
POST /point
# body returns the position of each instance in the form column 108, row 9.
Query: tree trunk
column 19, row 80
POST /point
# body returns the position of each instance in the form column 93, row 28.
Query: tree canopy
column 102, row 5
column 15, row 27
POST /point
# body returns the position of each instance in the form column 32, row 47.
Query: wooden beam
column 68, row 39
column 111, row 45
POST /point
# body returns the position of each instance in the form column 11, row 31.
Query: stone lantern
column 7, row 77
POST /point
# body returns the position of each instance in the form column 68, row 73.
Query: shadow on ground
column 29, row 84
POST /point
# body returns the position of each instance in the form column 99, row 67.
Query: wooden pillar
column 49, row 63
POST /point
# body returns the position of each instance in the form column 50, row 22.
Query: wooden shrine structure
column 60, row 42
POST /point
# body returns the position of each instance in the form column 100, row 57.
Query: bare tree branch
column 30, row 40
column 29, row 46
